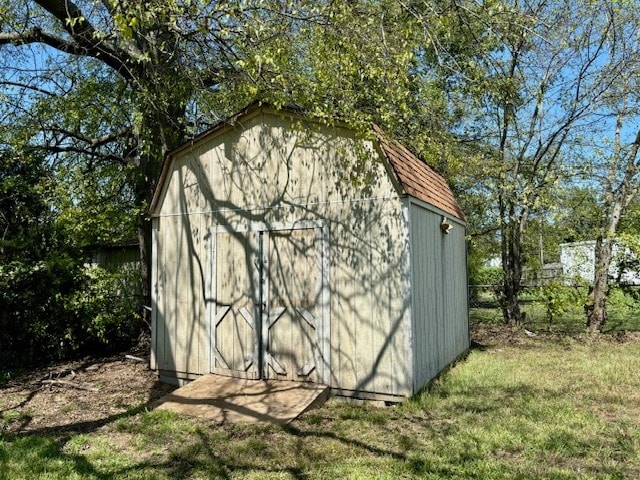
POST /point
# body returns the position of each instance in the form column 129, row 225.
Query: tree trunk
column 510, row 305
column 168, row 133
column 144, row 241
column 510, row 302
column 511, row 244
column 616, row 200
column 595, row 307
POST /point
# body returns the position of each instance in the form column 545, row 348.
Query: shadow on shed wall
column 269, row 172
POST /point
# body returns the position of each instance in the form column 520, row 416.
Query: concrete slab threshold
column 236, row 400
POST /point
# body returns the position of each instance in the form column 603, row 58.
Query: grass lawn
column 542, row 407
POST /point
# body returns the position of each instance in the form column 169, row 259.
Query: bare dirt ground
column 492, row 335
column 82, row 396
column 76, row 397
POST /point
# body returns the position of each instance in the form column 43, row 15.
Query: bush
column 51, row 306
column 33, row 318
column 109, row 307
column 485, row 277
column 559, row 299
column 55, row 309
column 488, row 276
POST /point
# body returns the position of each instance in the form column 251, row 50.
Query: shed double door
column 266, row 298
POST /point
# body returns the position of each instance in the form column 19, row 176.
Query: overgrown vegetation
column 558, row 308
column 547, row 407
column 72, row 311
column 51, row 305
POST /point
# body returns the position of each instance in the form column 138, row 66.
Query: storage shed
column 285, row 248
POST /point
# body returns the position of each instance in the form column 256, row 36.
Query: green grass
column 555, row 408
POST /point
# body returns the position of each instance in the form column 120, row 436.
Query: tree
column 609, row 148
column 572, row 217
column 619, row 189
column 30, row 254
column 106, row 88
column 543, row 84
column 575, row 214
column 104, row 85
column 115, row 85
column 25, row 220
column 618, row 153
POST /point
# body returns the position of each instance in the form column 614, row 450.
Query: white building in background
column 578, row 262
column 495, row 262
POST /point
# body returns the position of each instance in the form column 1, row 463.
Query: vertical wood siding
column 268, row 171
column 294, row 302
column 234, row 323
column 439, row 279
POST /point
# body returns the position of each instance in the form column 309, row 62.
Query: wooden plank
column 408, row 316
column 184, row 306
column 170, row 319
column 247, row 317
column 231, row 400
column 307, row 368
column 254, row 244
column 220, row 359
column 324, row 332
column 264, row 288
column 220, row 314
column 379, row 370
column 210, row 300
column 344, row 249
column 364, row 351
column 273, row 363
column 155, row 232
column 307, row 316
column 274, row 315
column 199, row 318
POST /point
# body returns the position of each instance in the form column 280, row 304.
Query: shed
column 285, row 248
column 578, row 262
column 115, row 256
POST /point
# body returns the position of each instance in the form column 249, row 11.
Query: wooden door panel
column 294, row 271
column 234, row 323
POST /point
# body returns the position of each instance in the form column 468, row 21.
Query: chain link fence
column 557, row 306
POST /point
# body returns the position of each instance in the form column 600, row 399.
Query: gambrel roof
column 412, row 175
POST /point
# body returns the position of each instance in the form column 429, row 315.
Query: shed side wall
column 439, row 303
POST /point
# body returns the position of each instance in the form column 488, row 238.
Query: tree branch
column 73, row 149
column 85, row 39
column 27, row 87
column 93, row 142
column 97, row 50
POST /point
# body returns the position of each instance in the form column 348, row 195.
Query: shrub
column 51, row 306
column 109, row 306
column 33, row 318
column 55, row 309
column 559, row 299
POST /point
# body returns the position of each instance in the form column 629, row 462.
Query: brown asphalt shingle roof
column 417, row 178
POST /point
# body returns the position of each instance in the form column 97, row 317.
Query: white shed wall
column 439, row 293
